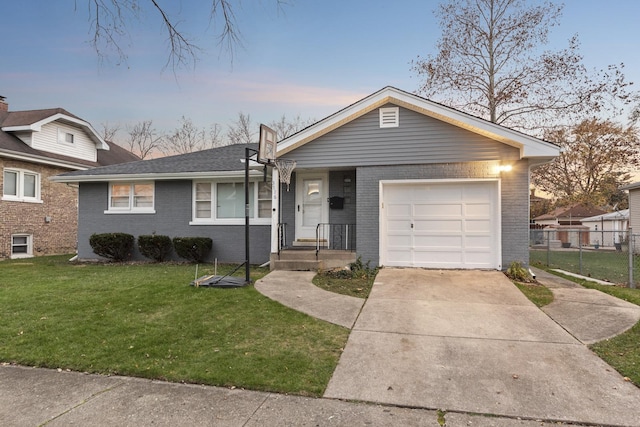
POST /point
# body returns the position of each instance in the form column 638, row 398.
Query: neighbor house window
column 21, row 246
column 21, row 185
column 224, row 202
column 127, row 197
column 65, row 137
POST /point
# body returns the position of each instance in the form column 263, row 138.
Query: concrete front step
column 305, row 260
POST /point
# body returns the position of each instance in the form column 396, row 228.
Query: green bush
column 518, row 273
column 356, row 270
column 154, row 246
column 194, row 249
column 115, row 246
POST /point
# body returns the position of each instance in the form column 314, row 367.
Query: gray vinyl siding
column 173, row 204
column 337, row 187
column 514, row 202
column 634, row 210
column 417, row 139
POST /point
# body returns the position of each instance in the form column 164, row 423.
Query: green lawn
column 537, row 294
column 145, row 320
column 604, row 265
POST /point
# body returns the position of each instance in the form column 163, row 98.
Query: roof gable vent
column 389, row 117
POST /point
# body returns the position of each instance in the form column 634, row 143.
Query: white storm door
column 311, row 204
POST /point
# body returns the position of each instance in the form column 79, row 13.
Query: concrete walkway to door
column 470, row 341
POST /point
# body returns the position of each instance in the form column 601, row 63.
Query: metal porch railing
column 336, row 237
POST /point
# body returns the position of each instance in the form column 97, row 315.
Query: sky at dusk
column 307, row 57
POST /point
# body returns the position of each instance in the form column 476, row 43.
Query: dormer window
column 65, row 137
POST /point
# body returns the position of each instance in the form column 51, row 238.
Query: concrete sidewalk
column 295, row 289
column 587, row 314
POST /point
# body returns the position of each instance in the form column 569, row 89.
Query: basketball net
column 285, row 167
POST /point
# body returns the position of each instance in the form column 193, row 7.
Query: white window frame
column 29, row 245
column 131, row 209
column 20, row 177
column 213, row 219
column 62, row 137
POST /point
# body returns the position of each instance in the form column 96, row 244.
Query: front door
column 311, row 204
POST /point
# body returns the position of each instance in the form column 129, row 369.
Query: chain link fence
column 612, row 256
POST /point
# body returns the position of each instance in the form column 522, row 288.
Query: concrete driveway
column 470, row 341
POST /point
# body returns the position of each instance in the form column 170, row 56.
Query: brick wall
column 59, row 203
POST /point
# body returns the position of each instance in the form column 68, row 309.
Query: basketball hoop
column 285, row 167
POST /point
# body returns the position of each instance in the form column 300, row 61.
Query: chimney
column 3, row 104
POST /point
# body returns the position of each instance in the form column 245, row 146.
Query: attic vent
column 389, row 117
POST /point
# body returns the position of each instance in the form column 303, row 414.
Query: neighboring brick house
column 38, row 216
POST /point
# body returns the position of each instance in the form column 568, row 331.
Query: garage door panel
column 436, row 242
column 399, row 240
column 478, row 225
column 441, row 192
column 476, row 242
column 441, row 225
column 399, row 210
column 437, row 225
column 437, row 209
column 399, row 224
column 399, row 258
column 482, row 210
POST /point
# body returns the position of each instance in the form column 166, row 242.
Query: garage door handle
column 411, row 225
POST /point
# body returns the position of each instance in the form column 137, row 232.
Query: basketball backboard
column 267, row 145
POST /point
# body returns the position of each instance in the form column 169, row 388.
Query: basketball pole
column 247, row 269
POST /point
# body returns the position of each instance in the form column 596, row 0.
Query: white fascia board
column 37, row 127
column 529, row 146
column 42, row 160
column 154, row 176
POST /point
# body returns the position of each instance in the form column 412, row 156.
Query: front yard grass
column 537, row 294
column 145, row 320
column 604, row 265
column 359, row 287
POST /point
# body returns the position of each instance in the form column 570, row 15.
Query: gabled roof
column 611, row 216
column 207, row 163
column 33, row 120
column 576, row 211
column 12, row 147
column 530, row 147
column 632, row 186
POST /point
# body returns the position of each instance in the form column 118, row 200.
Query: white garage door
column 440, row 224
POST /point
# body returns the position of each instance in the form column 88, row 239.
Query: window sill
column 134, row 212
column 19, row 256
column 239, row 221
column 21, row 200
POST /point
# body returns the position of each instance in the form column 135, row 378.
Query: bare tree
column 597, row 159
column 186, row 138
column 241, row 131
column 490, row 62
column 216, row 138
column 143, row 139
column 285, row 127
column 109, row 131
column 109, row 19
